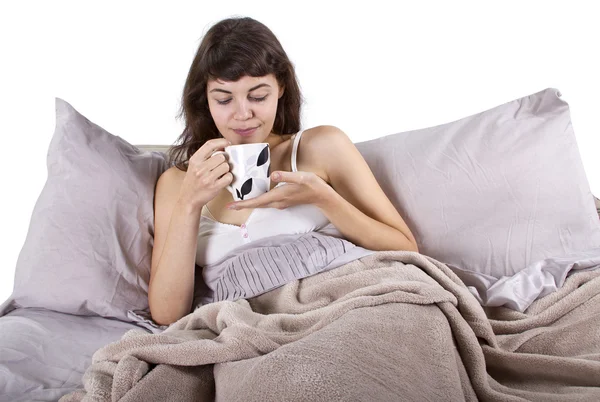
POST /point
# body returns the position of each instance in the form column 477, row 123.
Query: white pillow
column 500, row 196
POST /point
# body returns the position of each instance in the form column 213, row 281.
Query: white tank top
column 216, row 239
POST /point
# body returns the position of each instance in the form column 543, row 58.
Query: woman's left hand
column 301, row 188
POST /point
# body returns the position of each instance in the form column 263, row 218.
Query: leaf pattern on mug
column 239, row 195
column 263, row 157
column 246, row 188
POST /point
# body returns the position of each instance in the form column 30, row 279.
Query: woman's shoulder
column 172, row 174
column 323, row 137
column 320, row 141
column 317, row 145
column 170, row 180
column 322, row 130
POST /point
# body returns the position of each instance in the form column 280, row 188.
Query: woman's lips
column 245, row 133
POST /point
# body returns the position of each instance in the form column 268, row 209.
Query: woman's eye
column 226, row 101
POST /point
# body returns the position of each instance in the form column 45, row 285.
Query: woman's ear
column 281, row 91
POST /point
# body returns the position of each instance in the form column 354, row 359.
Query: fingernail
column 276, row 176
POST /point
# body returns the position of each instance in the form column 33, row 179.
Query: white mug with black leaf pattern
column 250, row 166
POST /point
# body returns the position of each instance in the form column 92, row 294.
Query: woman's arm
column 357, row 206
column 343, row 187
column 171, row 287
column 365, row 231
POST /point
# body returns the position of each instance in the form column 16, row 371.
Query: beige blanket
column 391, row 326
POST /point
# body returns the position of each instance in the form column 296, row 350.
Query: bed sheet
column 43, row 353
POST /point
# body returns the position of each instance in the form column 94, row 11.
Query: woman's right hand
column 206, row 175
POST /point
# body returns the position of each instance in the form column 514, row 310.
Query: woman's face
column 244, row 110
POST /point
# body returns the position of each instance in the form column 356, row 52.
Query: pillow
column 89, row 244
column 500, row 196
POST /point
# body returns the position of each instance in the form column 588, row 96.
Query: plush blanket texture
column 394, row 325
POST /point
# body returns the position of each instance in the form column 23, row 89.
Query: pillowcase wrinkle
column 493, row 194
column 89, row 244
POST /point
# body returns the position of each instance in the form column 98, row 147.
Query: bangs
column 229, row 62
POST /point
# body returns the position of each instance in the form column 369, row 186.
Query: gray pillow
column 500, row 196
column 89, row 244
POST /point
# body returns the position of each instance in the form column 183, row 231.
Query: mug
column 250, row 166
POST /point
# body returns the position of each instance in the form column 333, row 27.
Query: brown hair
column 231, row 49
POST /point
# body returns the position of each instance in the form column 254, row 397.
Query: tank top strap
column 295, row 150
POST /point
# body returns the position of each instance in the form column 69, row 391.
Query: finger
column 288, row 177
column 276, row 176
column 216, row 153
column 219, row 170
column 210, row 146
column 225, row 180
column 217, row 147
column 216, row 160
column 257, row 202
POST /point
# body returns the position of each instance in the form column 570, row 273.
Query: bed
column 502, row 302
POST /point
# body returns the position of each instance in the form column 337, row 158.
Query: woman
column 242, row 88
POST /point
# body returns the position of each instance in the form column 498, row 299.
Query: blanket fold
column 394, row 325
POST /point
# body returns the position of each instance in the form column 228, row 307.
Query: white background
column 371, row 68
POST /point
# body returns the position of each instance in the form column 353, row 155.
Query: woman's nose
column 242, row 111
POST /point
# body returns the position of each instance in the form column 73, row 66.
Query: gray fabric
column 89, row 243
column 43, row 354
column 394, row 325
column 539, row 279
column 271, row 262
column 493, row 193
column 144, row 319
column 281, row 258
